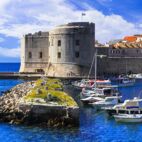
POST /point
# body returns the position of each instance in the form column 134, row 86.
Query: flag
column 83, row 14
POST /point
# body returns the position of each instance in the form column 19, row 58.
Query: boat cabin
column 106, row 91
column 129, row 104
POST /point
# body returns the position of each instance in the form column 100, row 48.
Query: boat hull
column 133, row 119
column 112, row 112
column 101, row 106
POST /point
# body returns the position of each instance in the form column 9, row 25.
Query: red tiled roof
column 130, row 38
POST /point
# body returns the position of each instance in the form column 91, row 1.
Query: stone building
column 64, row 51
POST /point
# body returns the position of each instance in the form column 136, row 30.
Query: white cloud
column 10, row 52
column 21, row 17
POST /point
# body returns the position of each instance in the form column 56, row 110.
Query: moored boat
column 125, row 81
column 128, row 107
column 129, row 118
column 99, row 92
column 91, row 99
column 106, row 102
column 90, row 83
column 136, row 76
column 87, row 96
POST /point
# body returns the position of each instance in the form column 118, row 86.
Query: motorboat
column 106, row 102
column 125, row 81
column 90, row 83
column 136, row 76
column 88, row 96
column 129, row 118
column 128, row 107
column 100, row 91
column 83, row 83
column 91, row 99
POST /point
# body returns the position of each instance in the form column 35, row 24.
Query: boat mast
column 95, row 69
column 91, row 65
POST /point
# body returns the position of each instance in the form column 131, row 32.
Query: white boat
column 99, row 92
column 90, row 83
column 106, row 102
column 91, row 99
column 125, row 82
column 131, row 118
column 89, row 96
column 136, row 76
column 129, row 106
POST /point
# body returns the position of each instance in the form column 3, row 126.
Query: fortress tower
column 64, row 51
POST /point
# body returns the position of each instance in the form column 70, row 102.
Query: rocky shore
column 39, row 103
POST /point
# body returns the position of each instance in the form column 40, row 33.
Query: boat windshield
column 107, row 92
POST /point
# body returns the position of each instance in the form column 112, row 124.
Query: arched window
column 30, row 55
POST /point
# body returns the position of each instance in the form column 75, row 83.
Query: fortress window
column 59, row 55
column 138, row 51
column 59, row 42
column 30, row 55
column 77, row 54
column 77, row 42
column 40, row 55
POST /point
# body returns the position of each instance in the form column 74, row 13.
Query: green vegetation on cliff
column 50, row 90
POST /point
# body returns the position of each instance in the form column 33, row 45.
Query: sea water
column 94, row 126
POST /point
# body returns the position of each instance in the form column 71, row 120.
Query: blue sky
column 114, row 19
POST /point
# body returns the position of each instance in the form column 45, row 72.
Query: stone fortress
column 68, row 50
column 64, row 51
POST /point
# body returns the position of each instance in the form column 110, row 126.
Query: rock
column 46, row 111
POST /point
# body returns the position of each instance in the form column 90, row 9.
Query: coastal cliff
column 40, row 102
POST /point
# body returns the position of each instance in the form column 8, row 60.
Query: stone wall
column 120, row 61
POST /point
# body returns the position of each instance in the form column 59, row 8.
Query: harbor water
column 94, row 126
